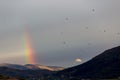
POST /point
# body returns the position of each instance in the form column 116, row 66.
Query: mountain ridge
column 31, row 67
column 104, row 65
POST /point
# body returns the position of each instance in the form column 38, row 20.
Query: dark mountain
column 38, row 66
column 31, row 67
column 14, row 66
column 105, row 65
column 27, row 71
column 24, row 73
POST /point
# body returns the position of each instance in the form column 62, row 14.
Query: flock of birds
column 86, row 27
column 67, row 20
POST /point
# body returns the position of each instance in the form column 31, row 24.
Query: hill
column 31, row 67
column 28, row 70
column 105, row 65
column 3, row 77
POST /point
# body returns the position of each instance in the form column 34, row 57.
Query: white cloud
column 78, row 60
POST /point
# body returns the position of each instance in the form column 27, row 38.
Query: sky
column 61, row 31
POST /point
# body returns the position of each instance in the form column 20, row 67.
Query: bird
column 66, row 18
column 93, row 10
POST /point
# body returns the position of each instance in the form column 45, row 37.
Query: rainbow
column 29, row 51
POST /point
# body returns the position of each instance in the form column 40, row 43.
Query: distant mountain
column 37, row 66
column 31, row 67
column 105, row 65
column 28, row 70
column 14, row 66
column 24, row 73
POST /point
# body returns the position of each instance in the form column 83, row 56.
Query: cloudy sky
column 61, row 30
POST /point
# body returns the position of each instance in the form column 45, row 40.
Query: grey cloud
column 49, row 29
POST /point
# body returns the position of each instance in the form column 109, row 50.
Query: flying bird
column 93, row 10
column 104, row 30
column 66, row 18
column 64, row 42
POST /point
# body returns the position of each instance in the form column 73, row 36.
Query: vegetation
column 2, row 77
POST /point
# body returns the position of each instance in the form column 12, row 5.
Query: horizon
column 59, row 32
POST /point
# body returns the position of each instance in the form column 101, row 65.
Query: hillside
column 105, row 65
column 28, row 70
column 3, row 77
